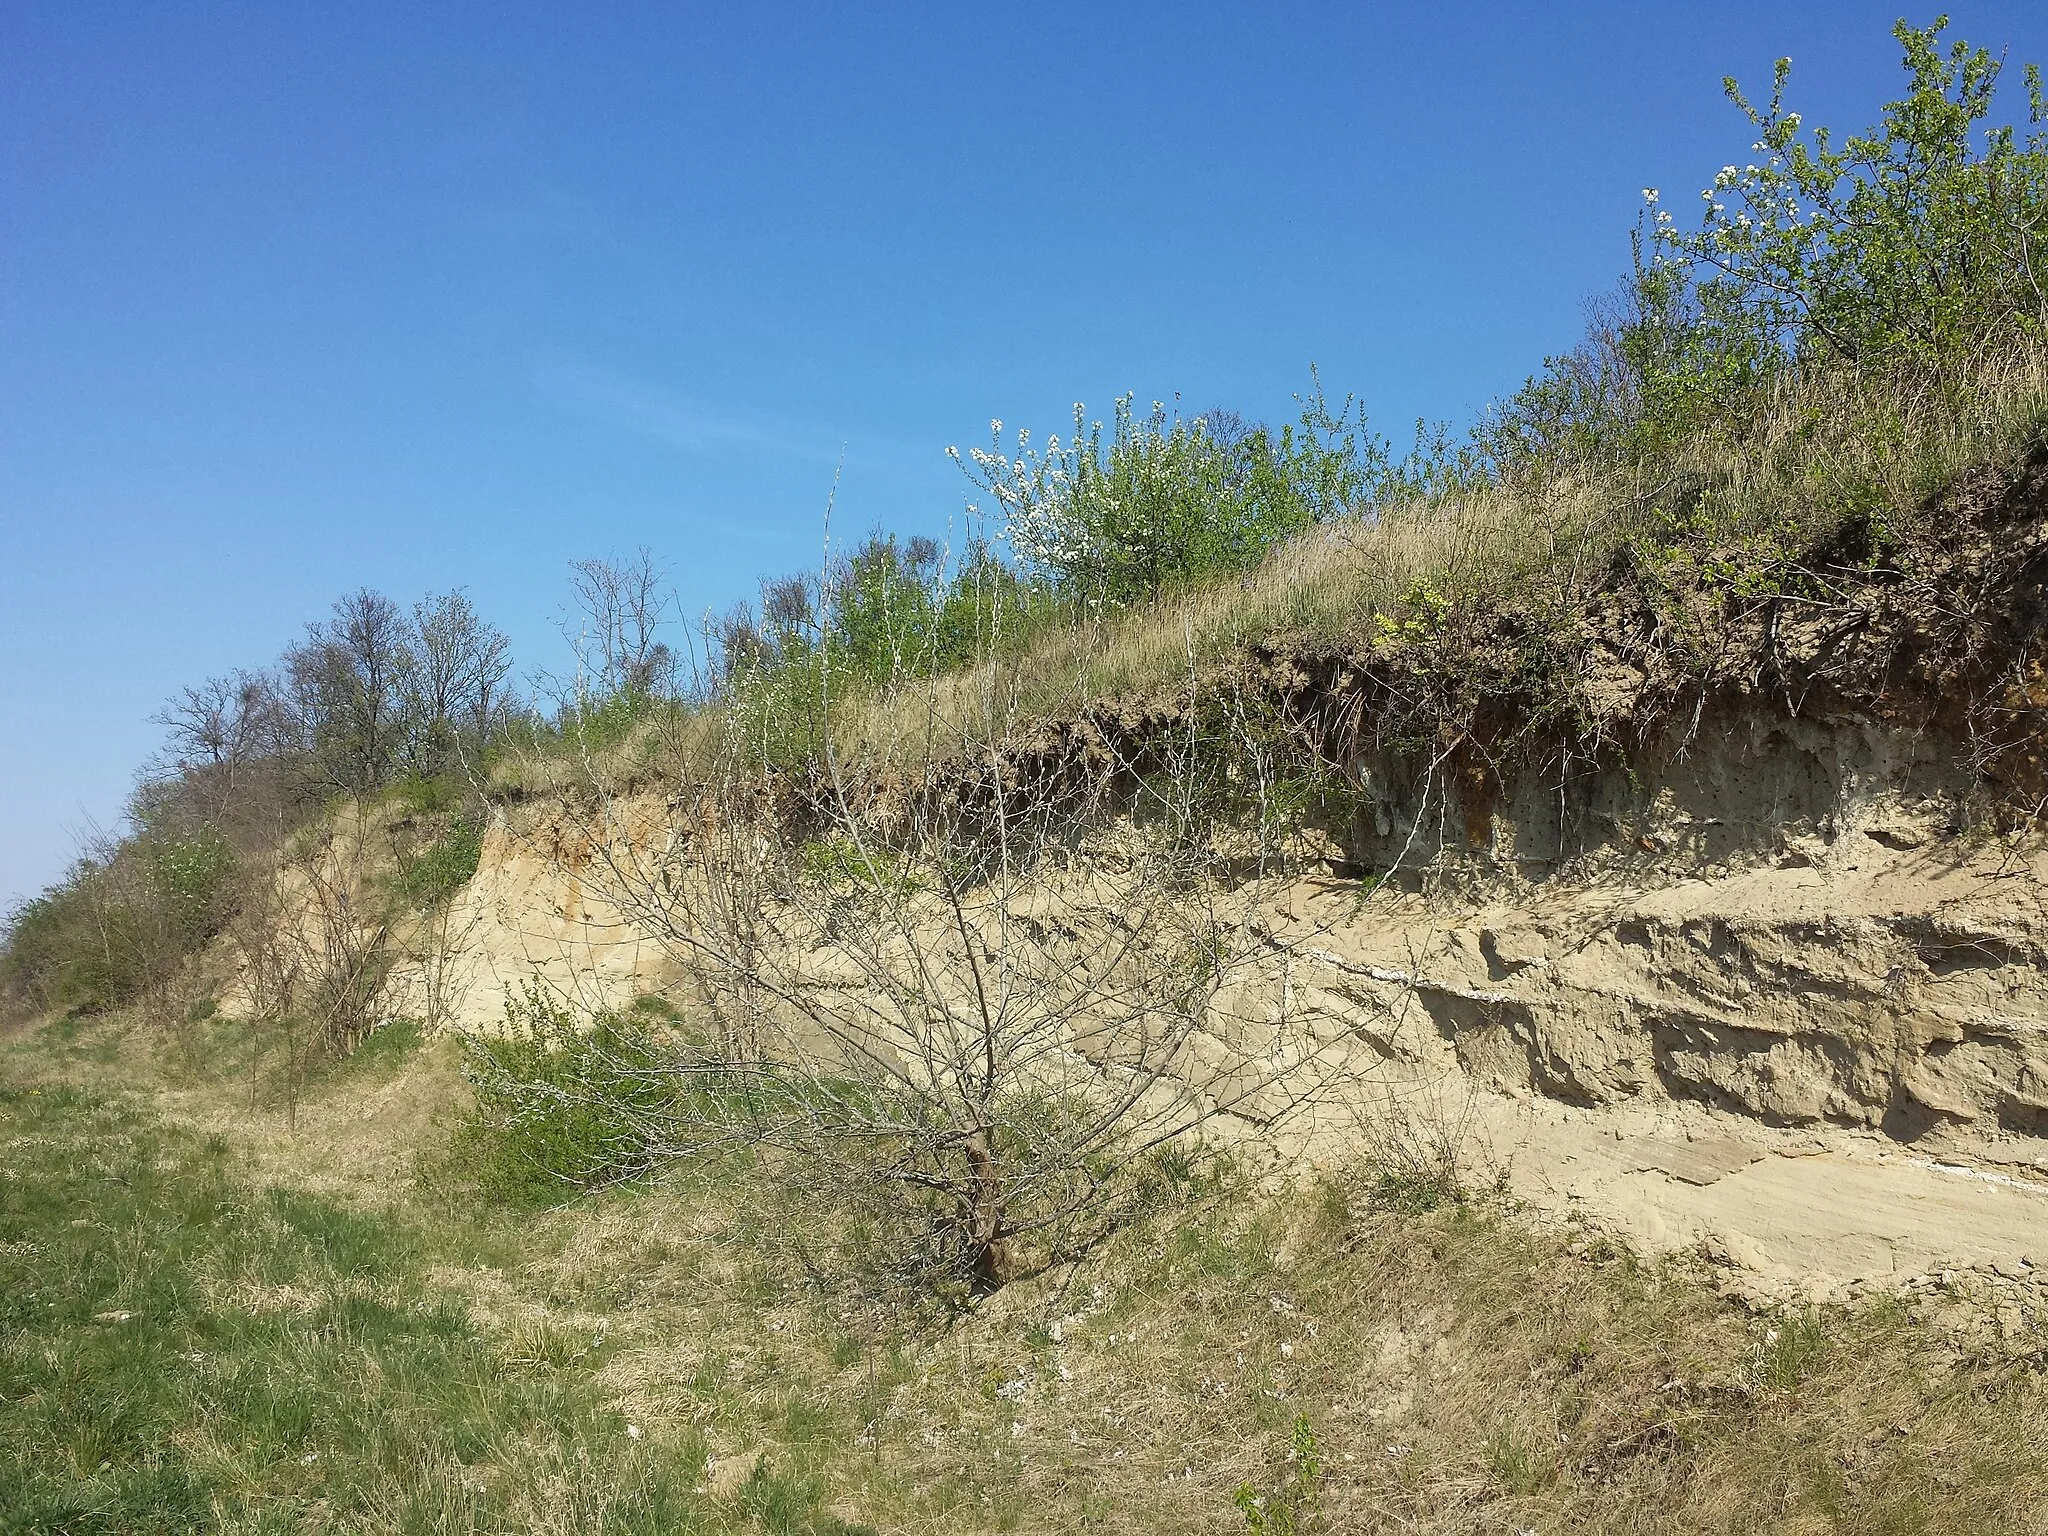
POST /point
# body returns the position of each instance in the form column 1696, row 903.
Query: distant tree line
column 372, row 695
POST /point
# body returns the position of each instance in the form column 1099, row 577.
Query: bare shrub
column 441, row 944
column 317, row 955
column 615, row 629
column 977, row 1018
column 1422, row 1144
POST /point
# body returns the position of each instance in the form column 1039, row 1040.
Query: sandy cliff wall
column 1789, row 921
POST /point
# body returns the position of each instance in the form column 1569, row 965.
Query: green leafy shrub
column 425, row 794
column 120, row 923
column 444, row 866
column 1908, row 246
column 891, row 614
column 1889, row 263
column 893, row 611
column 1165, row 499
column 598, row 721
column 561, row 1108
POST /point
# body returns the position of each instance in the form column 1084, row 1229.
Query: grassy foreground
column 209, row 1331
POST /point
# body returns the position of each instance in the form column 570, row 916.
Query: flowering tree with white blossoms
column 1912, row 243
column 1164, row 498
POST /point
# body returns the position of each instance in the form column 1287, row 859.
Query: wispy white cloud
column 679, row 423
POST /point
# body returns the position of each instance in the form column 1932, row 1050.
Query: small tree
column 1907, row 246
column 620, row 606
column 1887, row 265
column 452, row 682
column 314, row 940
column 343, row 685
column 221, row 732
column 974, row 1008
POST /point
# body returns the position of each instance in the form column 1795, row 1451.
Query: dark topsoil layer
column 1934, row 627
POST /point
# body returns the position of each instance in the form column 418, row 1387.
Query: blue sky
column 299, row 298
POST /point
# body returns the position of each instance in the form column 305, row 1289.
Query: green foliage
column 49, row 949
column 560, row 1109
column 596, row 722
column 190, row 877
column 1908, row 253
column 1909, row 245
column 424, row 794
column 1418, row 619
column 1166, row 500
column 1521, row 1467
column 193, row 1354
column 443, row 867
column 788, row 1501
column 380, row 1053
column 1415, row 1191
column 120, row 923
column 1289, row 1510
column 1790, row 1350
column 891, row 613
column 846, row 871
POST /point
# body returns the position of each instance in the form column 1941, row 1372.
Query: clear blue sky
column 298, row 298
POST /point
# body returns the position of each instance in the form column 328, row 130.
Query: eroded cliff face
column 1789, row 921
column 1728, row 928
column 542, row 909
column 1854, row 984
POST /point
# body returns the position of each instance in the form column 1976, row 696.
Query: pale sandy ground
column 1822, row 1214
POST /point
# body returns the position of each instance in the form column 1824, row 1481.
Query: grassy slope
column 187, row 1350
column 229, row 1331
column 1736, row 510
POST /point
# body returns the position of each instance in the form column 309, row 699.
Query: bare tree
column 452, row 681
column 977, row 1005
column 620, row 606
column 229, row 744
column 441, row 950
column 790, row 614
column 221, row 726
column 343, row 681
column 736, row 644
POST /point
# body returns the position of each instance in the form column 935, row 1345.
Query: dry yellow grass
column 1462, row 1371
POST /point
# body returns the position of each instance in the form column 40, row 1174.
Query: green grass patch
column 444, row 866
column 181, row 1350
